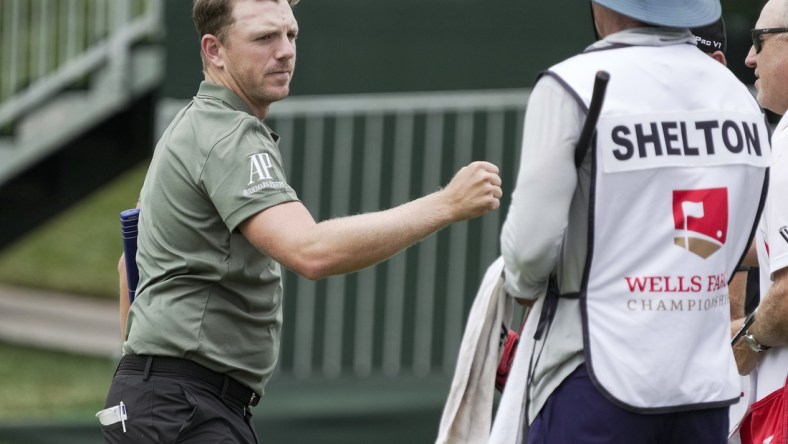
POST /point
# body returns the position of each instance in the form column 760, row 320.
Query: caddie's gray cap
column 670, row 13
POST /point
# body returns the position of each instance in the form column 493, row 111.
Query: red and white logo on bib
column 701, row 219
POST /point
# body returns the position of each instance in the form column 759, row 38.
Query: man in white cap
column 762, row 350
column 632, row 244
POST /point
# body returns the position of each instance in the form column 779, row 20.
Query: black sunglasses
column 757, row 33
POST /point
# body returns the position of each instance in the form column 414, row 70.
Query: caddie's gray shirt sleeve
column 538, row 215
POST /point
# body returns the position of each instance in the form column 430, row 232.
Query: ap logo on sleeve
column 701, row 220
column 262, row 174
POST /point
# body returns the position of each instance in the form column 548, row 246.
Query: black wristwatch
column 754, row 345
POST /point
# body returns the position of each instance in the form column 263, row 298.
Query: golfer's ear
column 211, row 50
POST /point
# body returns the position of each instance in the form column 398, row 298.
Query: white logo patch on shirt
column 260, row 167
column 260, row 174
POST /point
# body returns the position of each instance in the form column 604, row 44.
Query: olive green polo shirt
column 205, row 293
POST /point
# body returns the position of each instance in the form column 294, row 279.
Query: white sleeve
column 776, row 211
column 538, row 215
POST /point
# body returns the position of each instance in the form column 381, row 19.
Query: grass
column 78, row 250
column 46, row 385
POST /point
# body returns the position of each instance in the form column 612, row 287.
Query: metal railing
column 354, row 154
column 49, row 45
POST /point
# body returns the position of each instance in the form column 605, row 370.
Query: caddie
column 633, row 249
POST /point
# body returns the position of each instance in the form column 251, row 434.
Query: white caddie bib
column 679, row 173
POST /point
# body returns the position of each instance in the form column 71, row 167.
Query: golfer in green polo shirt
column 217, row 219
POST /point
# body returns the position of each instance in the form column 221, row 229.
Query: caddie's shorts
column 577, row 413
column 172, row 408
